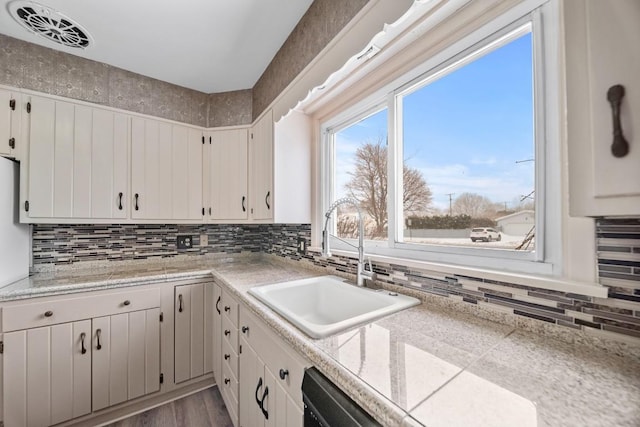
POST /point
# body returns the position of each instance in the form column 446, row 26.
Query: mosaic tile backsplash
column 618, row 254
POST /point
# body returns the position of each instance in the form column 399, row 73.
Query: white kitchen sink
column 322, row 306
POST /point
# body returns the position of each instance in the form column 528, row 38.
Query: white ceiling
column 206, row 45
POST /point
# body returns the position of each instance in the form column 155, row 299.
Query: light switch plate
column 204, row 240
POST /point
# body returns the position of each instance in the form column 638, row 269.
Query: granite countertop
column 422, row 366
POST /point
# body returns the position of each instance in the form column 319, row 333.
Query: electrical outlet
column 204, row 240
column 185, row 242
column 302, row 245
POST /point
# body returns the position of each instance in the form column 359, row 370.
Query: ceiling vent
column 50, row 24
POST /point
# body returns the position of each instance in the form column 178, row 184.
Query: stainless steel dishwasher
column 325, row 405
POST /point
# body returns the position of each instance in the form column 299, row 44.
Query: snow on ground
column 507, row 242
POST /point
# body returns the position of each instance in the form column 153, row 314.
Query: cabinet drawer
column 229, row 334
column 276, row 354
column 69, row 309
column 230, row 308
column 229, row 390
column 230, row 357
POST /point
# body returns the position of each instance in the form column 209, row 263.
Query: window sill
column 534, row 281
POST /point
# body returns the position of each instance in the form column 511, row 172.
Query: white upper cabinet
column 261, row 168
column 166, row 171
column 227, row 175
column 10, row 126
column 77, row 162
column 601, row 53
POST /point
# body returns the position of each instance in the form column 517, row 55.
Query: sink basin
column 322, row 306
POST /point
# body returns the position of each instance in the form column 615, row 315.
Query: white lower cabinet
column 270, row 374
column 60, row 372
column 193, row 350
column 126, row 357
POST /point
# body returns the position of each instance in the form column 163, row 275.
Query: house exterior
column 518, row 223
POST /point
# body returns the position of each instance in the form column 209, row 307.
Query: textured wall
column 618, row 260
column 230, row 108
column 320, row 24
column 30, row 66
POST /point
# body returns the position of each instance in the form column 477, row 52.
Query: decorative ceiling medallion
column 50, row 24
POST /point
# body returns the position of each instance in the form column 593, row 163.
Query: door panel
column 41, row 157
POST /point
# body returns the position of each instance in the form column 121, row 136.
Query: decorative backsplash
column 618, row 261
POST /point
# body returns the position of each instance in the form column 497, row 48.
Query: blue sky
column 466, row 130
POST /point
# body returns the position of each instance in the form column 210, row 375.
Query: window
column 449, row 162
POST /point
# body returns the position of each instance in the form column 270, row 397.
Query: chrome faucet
column 362, row 274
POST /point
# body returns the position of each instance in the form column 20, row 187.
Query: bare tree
column 474, row 205
column 368, row 185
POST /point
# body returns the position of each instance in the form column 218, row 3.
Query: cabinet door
column 600, row 39
column 282, row 410
column 261, row 168
column 187, row 173
column 252, row 387
column 10, row 114
column 228, row 174
column 217, row 333
column 189, row 351
column 78, row 161
column 126, row 357
column 47, row 376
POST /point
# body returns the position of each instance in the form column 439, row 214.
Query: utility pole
column 450, row 194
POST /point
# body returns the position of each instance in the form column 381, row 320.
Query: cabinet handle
column 227, row 332
column 48, row 313
column 620, row 146
column 227, row 380
column 258, row 389
column 244, row 208
column 227, row 356
column 98, row 334
column 227, row 308
column 245, row 329
column 264, row 396
column 218, row 305
column 120, row 201
column 126, row 302
column 12, row 104
column 180, row 303
column 209, row 211
column 136, row 206
column 266, row 199
column 82, row 337
column 283, row 373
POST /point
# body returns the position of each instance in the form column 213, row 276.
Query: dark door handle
column 258, row 389
column 244, row 208
column 180, row 303
column 48, row 313
column 136, row 205
column 264, row 396
column 126, row 302
column 620, row 146
column 227, row 332
column 245, row 329
column 82, row 337
column 12, row 104
column 266, row 199
column 227, row 308
column 218, row 305
column 227, row 380
column 227, row 356
column 283, row 373
column 120, row 201
column 98, row 334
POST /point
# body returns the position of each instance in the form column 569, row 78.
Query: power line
column 449, row 194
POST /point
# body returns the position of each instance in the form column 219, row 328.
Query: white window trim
column 543, row 261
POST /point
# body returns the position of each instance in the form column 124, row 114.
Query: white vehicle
column 485, row 234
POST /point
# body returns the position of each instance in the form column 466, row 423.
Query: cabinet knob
column 126, row 302
column 227, row 356
column 284, row 373
column 227, row 308
column 227, row 380
column 245, row 329
column 227, row 332
column 48, row 313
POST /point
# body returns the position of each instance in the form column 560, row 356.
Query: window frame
column 542, row 17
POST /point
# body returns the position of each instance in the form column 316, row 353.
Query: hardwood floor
column 203, row 409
